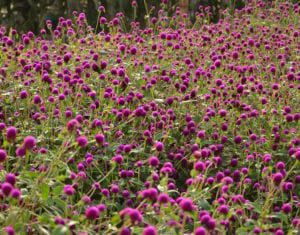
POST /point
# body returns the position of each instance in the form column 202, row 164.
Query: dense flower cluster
column 170, row 129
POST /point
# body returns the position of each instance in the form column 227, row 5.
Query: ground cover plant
column 171, row 129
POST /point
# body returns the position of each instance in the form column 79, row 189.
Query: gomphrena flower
column 200, row 166
column 153, row 161
column 69, row 190
column 159, row 146
column 133, row 50
column 150, row 230
column 125, row 231
column 92, row 212
column 15, row 193
column 11, row 133
column 186, row 204
column 6, row 188
column 200, row 231
column 150, row 120
column 20, row 151
column 9, row 230
column 100, row 138
column 277, row 178
column 286, row 208
column 10, row 178
column 82, row 141
column 3, row 155
column 29, row 142
column 163, row 198
column 134, row 215
column 224, row 209
column 118, row 159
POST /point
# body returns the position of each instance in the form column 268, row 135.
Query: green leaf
column 59, row 203
column 115, row 219
column 204, row 204
column 57, row 190
column 194, row 173
column 42, row 230
column 60, row 230
column 45, row 191
column 60, row 178
column 43, row 219
column 242, row 231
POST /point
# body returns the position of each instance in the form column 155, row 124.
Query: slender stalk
column 147, row 13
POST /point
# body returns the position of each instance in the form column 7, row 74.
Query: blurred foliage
column 31, row 15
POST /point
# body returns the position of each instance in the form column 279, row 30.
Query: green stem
column 147, row 13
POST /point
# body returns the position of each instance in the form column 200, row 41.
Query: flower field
column 171, row 129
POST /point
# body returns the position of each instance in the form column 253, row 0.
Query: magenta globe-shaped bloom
column 100, row 138
column 159, row 146
column 279, row 232
column 125, row 231
column 200, row 231
column 21, row 151
column 15, row 193
column 199, row 166
column 163, row 198
column 10, row 178
column 9, row 230
column 82, row 141
column 277, row 178
column 11, row 133
column 3, row 155
column 150, row 230
column 6, row 188
column 92, row 213
column 133, row 50
column 153, row 161
column 238, row 139
column 69, row 190
column 286, row 208
column 135, row 216
column 224, row 209
column 118, row 159
column 297, row 155
column 186, row 204
column 29, row 142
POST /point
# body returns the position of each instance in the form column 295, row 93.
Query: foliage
column 25, row 15
column 171, row 128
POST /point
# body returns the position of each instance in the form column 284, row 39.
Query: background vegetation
column 31, row 15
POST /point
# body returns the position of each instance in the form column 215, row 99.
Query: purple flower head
column 134, row 215
column 153, row 161
column 150, row 230
column 11, row 133
column 163, row 198
column 10, row 178
column 133, row 50
column 286, row 208
column 277, row 178
column 20, row 151
column 118, row 159
column 100, row 138
column 200, row 231
column 6, row 188
column 29, row 142
column 186, row 204
column 159, row 146
column 92, row 213
column 3, row 155
column 82, row 141
column 15, row 193
column 125, row 231
column 9, row 230
column 69, row 190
